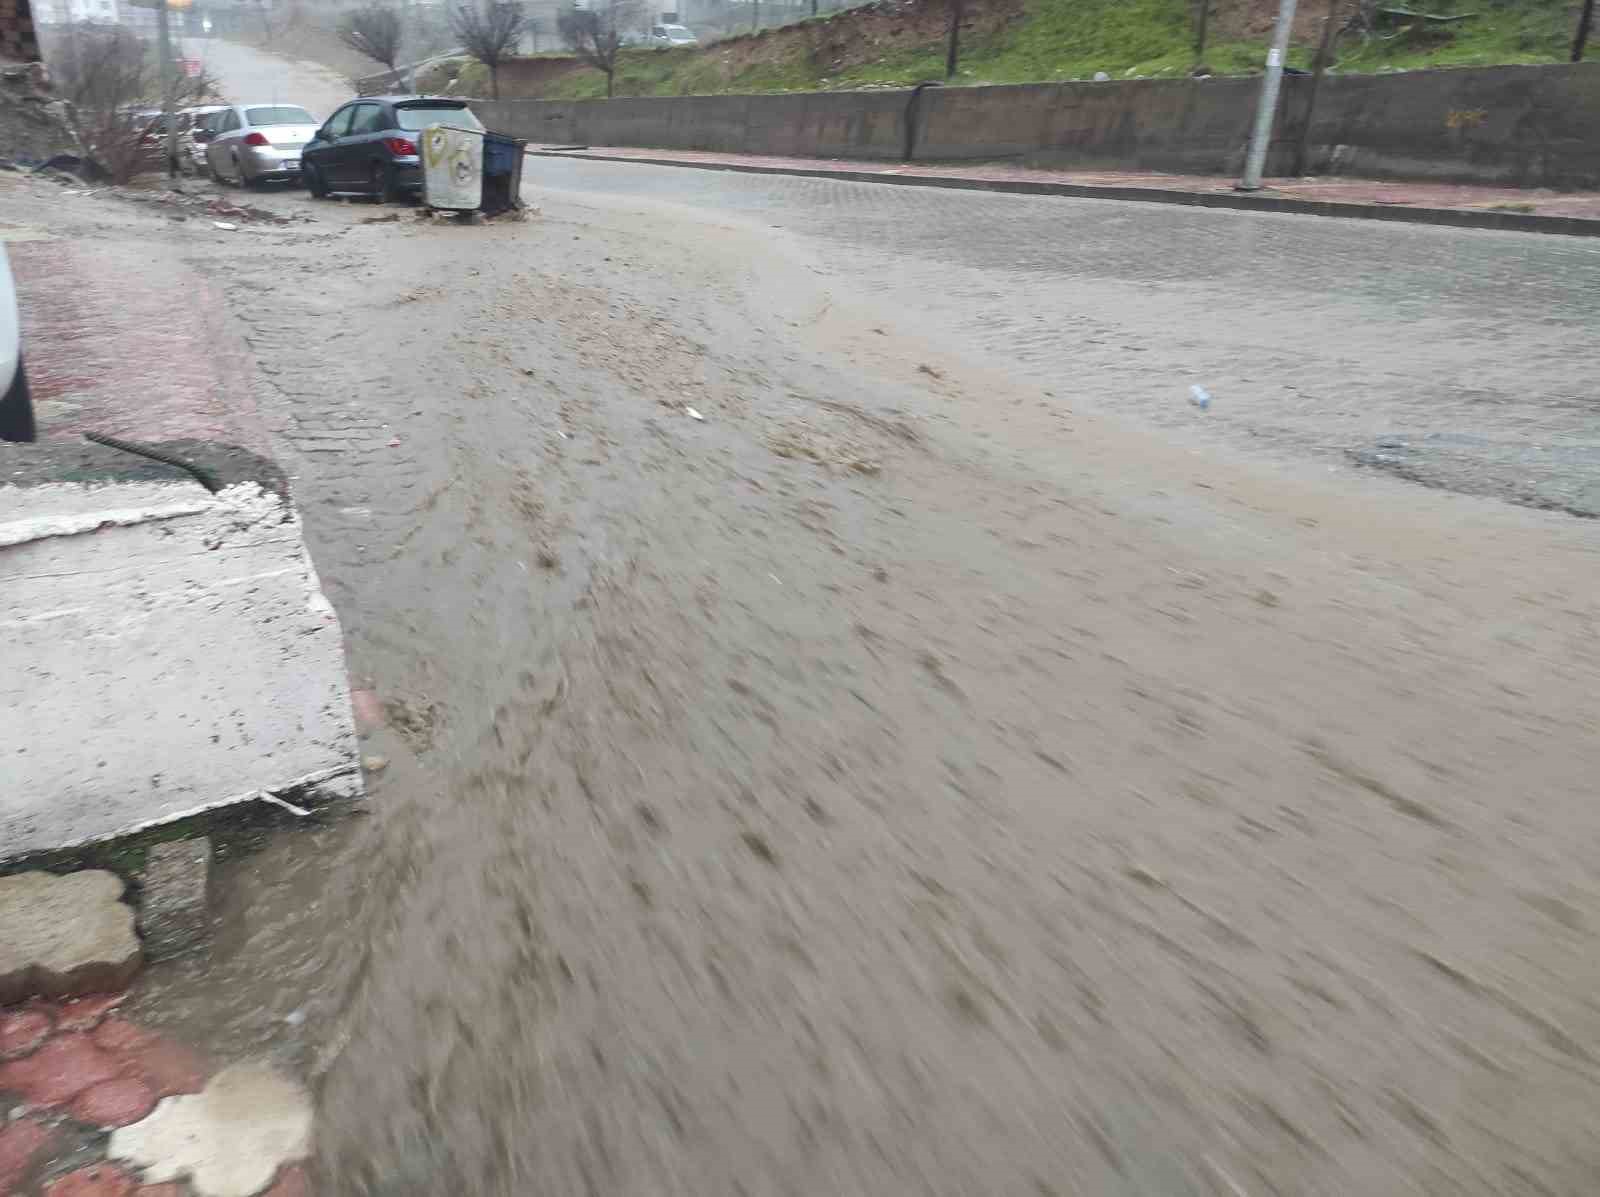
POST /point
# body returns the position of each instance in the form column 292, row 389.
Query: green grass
column 1073, row 39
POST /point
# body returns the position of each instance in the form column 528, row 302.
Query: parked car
column 152, row 128
column 16, row 405
column 370, row 145
column 251, row 143
column 194, row 131
column 666, row 36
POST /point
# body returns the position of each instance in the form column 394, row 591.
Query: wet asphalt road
column 953, row 764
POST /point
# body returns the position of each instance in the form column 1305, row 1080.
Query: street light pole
column 1256, row 159
column 164, row 37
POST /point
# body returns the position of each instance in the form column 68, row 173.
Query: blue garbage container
column 502, row 172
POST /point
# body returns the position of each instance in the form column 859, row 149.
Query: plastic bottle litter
column 1200, row 397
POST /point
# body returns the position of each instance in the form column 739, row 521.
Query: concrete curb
column 1461, row 218
column 172, row 651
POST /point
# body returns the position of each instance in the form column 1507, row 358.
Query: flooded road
column 832, row 755
column 906, row 777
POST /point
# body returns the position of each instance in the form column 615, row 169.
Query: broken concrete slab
column 229, row 1140
column 61, row 936
column 170, row 651
column 174, row 901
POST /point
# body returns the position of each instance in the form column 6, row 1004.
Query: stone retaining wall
column 1527, row 126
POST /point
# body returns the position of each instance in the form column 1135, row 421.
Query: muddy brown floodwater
column 917, row 775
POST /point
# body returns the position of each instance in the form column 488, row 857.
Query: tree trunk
column 1581, row 40
column 953, row 54
column 755, row 16
column 611, row 82
column 1200, row 32
column 813, row 7
column 1318, row 69
column 494, row 80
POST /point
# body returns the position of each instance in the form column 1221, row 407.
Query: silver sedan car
column 251, row 143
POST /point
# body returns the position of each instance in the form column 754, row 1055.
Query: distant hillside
column 896, row 42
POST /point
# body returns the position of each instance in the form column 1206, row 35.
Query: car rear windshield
column 279, row 115
column 439, row 114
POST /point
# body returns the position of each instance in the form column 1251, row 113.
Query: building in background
column 74, row 12
column 18, row 41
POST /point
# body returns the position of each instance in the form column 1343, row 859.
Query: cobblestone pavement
column 1338, row 190
column 1439, row 355
column 121, row 341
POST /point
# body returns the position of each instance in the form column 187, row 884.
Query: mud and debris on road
column 952, row 765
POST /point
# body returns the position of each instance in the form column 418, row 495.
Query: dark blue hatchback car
column 372, row 145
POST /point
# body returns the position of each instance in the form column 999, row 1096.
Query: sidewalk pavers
column 77, row 1069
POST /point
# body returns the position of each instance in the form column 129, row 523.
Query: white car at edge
column 16, row 405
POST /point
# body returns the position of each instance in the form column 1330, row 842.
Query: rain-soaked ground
column 941, row 761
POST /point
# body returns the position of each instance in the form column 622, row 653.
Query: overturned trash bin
column 502, row 172
column 452, row 168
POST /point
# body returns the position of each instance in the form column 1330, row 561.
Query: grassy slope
column 1072, row 39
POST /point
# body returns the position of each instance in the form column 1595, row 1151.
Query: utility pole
column 1261, row 137
column 164, row 37
column 953, row 54
column 1585, row 20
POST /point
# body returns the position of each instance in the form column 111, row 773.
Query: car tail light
column 257, row 139
column 400, row 147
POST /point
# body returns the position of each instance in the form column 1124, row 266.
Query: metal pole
column 953, row 53
column 1256, row 159
column 164, row 37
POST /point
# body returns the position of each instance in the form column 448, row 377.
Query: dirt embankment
column 860, row 36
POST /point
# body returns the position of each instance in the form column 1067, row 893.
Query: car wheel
column 244, row 178
column 16, row 409
column 381, row 178
column 314, row 182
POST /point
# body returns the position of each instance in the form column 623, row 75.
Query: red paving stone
column 167, row 1066
column 86, row 1013
column 59, row 1071
column 21, row 1031
column 23, row 1143
column 1348, row 191
column 171, row 1189
column 97, row 1180
column 118, row 1034
column 114, row 1103
column 292, row 1181
column 132, row 343
column 368, row 710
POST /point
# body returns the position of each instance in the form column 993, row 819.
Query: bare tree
column 489, row 30
column 1580, row 40
column 277, row 18
column 1202, row 20
column 595, row 35
column 373, row 30
column 105, row 75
